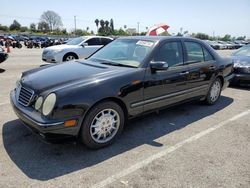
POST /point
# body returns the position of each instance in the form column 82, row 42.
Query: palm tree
column 106, row 23
column 102, row 23
column 97, row 24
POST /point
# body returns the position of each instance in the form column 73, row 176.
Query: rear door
column 201, row 67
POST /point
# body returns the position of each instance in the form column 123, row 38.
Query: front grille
column 25, row 96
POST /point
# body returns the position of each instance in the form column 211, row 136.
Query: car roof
column 93, row 36
column 158, row 38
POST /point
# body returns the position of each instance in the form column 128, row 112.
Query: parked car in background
column 3, row 55
column 215, row 45
column 91, row 99
column 223, row 44
column 241, row 59
column 77, row 48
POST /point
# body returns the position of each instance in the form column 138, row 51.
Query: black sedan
column 3, row 55
column 241, row 60
column 92, row 99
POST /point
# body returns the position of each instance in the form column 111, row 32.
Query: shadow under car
column 46, row 161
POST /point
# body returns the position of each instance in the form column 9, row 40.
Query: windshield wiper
column 117, row 64
column 108, row 62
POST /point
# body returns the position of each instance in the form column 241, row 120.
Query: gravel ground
column 190, row 145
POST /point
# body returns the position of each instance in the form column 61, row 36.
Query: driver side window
column 171, row 52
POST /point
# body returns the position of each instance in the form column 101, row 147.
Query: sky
column 218, row 17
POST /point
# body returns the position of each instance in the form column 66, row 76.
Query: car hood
column 238, row 59
column 54, row 77
column 62, row 46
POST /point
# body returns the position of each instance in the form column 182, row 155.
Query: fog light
column 70, row 123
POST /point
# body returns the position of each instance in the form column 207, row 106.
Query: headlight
column 39, row 103
column 57, row 51
column 49, row 104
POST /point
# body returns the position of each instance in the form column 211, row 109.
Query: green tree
column 43, row 26
column 4, row 28
column 33, row 27
column 241, row 38
column 15, row 25
column 201, row 36
column 52, row 19
column 227, row 37
column 24, row 28
column 97, row 23
column 112, row 24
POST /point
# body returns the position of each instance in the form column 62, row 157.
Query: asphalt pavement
column 190, row 145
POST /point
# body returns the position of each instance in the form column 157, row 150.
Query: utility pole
column 138, row 28
column 75, row 23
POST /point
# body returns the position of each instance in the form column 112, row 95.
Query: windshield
column 124, row 52
column 243, row 51
column 76, row 41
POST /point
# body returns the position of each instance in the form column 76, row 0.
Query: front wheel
column 69, row 57
column 214, row 92
column 102, row 125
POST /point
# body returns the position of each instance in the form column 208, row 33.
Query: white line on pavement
column 165, row 151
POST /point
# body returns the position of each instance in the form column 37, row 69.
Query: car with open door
column 91, row 99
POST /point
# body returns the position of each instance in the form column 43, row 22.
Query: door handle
column 212, row 67
column 184, row 73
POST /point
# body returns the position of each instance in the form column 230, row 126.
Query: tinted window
column 207, row 55
column 194, row 52
column 105, row 41
column 94, row 41
column 171, row 53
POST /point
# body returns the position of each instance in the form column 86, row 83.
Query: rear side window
column 194, row 52
column 105, row 41
column 94, row 41
column 171, row 52
column 207, row 55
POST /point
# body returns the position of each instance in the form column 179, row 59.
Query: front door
column 165, row 87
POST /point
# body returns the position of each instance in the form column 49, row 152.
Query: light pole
column 75, row 23
column 138, row 28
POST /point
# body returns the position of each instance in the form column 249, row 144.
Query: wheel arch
column 112, row 99
column 70, row 53
column 221, row 79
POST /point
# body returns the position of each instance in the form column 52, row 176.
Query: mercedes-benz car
column 77, row 48
column 92, row 99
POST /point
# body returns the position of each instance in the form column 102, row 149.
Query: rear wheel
column 102, row 125
column 214, row 92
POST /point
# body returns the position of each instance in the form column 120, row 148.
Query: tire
column 214, row 92
column 102, row 125
column 69, row 57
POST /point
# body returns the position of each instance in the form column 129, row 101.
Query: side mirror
column 158, row 65
column 84, row 44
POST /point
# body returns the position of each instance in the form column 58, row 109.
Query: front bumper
column 46, row 129
column 241, row 78
column 51, row 57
